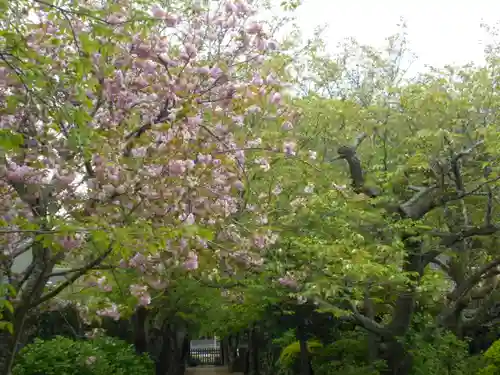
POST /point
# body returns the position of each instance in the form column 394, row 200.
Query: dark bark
column 171, row 358
column 467, row 295
column 399, row 361
column 252, row 354
column 140, row 327
column 372, row 337
column 6, row 348
column 232, row 350
column 168, row 345
column 224, row 348
column 304, row 355
column 162, row 361
column 30, row 295
column 31, row 290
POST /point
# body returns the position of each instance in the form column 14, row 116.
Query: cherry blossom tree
column 127, row 134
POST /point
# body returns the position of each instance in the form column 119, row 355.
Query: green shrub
column 64, row 356
column 492, row 359
column 441, row 353
column 292, row 351
column 347, row 356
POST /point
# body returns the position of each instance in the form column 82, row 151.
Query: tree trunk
column 252, row 367
column 30, row 292
column 6, row 349
column 166, row 361
column 174, row 351
column 224, row 349
column 139, row 321
column 398, row 358
column 372, row 337
column 232, row 351
column 305, row 360
column 10, row 343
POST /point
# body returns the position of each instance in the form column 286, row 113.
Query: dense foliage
column 160, row 182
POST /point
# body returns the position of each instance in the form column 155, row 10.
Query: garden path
column 210, row 370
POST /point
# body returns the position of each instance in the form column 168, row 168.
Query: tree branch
column 466, row 152
column 441, row 264
column 472, row 281
column 348, row 153
column 67, row 272
column 449, row 239
column 137, row 133
column 74, row 277
column 367, row 323
column 421, row 203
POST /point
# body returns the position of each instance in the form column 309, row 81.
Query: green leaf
column 8, row 326
column 4, row 303
column 9, row 140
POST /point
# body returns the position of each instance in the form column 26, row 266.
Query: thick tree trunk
column 166, row 357
column 174, row 352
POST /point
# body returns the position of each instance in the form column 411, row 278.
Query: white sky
column 440, row 31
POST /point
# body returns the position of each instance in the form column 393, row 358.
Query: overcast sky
column 440, row 31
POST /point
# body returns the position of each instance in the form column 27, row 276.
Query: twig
column 74, row 277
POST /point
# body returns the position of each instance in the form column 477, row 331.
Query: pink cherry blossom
column 276, row 98
column 288, row 282
column 254, row 28
column 230, row 7
column 257, row 80
column 111, row 312
column 192, row 262
column 158, row 12
column 114, row 19
column 171, row 20
column 289, row 148
column 190, row 219
column 287, row 125
column 70, row 243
